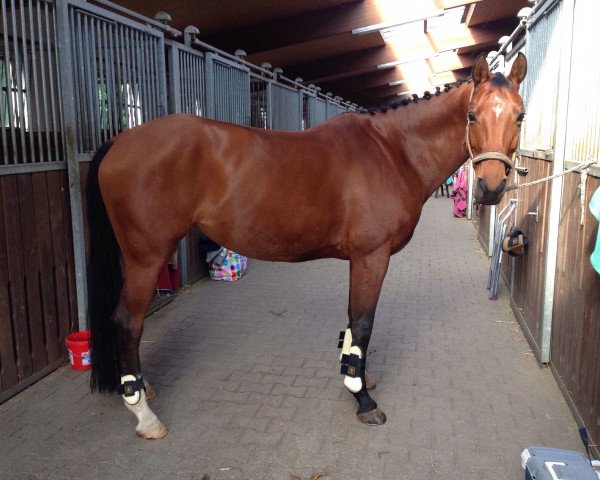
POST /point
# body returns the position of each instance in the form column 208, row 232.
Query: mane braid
column 427, row 95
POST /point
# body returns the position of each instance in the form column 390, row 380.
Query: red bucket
column 78, row 344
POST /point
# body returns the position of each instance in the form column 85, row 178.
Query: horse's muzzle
column 484, row 195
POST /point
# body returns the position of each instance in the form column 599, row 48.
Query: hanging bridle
column 482, row 157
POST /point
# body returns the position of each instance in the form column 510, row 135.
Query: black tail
column 105, row 281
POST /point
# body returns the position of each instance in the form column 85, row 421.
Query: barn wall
column 114, row 71
column 37, row 300
column 576, row 320
column 528, row 270
column 562, row 125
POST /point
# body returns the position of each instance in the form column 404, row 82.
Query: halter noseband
column 482, row 157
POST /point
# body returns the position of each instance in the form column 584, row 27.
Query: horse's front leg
column 366, row 277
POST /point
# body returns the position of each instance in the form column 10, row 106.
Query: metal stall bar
column 36, row 97
column 269, row 104
column 130, row 85
column 9, row 82
column 115, row 79
column 562, row 111
column 20, row 101
column 227, row 90
column 4, row 105
column 67, row 86
column 286, row 108
column 57, row 118
column 209, row 76
column 79, row 79
column 260, row 115
column 27, row 70
column 186, row 94
column 102, row 91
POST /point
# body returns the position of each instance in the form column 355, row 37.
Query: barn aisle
column 248, row 381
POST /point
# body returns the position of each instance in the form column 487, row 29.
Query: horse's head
column 495, row 114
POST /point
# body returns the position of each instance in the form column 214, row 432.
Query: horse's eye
column 520, row 117
column 471, row 116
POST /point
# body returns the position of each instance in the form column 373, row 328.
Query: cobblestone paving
column 248, row 381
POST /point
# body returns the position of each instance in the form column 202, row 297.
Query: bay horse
column 351, row 188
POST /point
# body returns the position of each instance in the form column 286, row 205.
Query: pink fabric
column 459, row 194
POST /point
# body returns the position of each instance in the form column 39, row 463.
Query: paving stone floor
column 248, row 381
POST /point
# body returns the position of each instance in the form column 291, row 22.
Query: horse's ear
column 481, row 70
column 519, row 69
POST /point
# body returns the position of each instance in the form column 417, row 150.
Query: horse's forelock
column 500, row 81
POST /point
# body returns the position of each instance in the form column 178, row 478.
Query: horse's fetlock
column 131, row 388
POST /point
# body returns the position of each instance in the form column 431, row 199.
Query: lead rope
column 584, row 166
column 582, row 185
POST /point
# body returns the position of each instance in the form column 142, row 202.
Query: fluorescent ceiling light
column 406, row 60
column 451, row 17
column 419, row 17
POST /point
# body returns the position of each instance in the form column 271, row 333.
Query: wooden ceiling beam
column 320, row 24
column 361, row 82
column 352, row 63
column 364, row 61
column 450, row 61
column 377, row 92
column 302, row 28
column 317, row 49
column 462, row 36
column 380, row 102
column 446, row 4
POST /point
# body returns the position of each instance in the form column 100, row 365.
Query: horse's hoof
column 372, row 417
column 370, row 382
column 152, row 432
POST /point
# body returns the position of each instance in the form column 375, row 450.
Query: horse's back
column 267, row 194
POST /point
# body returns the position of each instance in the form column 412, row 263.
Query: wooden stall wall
column 505, row 271
column 575, row 352
column 196, row 264
column 481, row 220
column 37, row 301
column 528, row 270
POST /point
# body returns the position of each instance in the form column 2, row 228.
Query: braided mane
column 427, row 95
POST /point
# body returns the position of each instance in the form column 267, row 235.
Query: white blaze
column 499, row 105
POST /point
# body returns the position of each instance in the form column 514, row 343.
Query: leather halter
column 482, row 157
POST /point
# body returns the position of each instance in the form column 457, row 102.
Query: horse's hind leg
column 140, row 283
column 366, row 277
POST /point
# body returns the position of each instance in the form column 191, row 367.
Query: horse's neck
column 430, row 137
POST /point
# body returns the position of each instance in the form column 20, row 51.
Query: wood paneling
column 529, row 269
column 505, row 266
column 196, row 264
column 575, row 352
column 481, row 219
column 37, row 305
